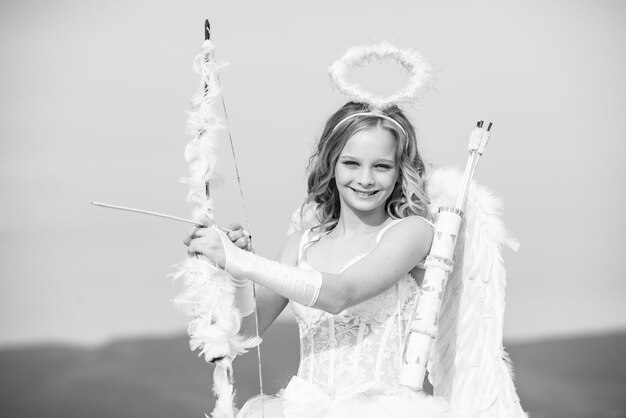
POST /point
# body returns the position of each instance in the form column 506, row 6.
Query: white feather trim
column 412, row 61
column 304, row 217
column 224, row 391
column 208, row 292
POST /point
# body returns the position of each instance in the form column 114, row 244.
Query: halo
column 414, row 62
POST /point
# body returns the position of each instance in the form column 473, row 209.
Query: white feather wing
column 468, row 365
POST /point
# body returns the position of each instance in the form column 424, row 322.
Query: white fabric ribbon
column 303, row 399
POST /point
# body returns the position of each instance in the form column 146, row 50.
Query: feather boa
column 208, row 292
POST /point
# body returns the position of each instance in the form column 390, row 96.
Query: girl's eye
column 350, row 163
column 384, row 166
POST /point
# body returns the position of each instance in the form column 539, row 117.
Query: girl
column 353, row 280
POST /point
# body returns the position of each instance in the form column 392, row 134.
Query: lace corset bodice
column 359, row 346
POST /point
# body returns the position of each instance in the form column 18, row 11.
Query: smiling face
column 366, row 171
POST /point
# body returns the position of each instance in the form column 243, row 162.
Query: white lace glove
column 244, row 288
column 300, row 285
column 244, row 296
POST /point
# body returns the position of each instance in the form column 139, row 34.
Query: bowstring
column 247, row 222
column 232, row 150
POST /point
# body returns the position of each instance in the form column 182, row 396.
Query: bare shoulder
column 289, row 251
column 413, row 225
column 413, row 231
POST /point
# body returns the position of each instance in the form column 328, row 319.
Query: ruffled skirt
column 302, row 399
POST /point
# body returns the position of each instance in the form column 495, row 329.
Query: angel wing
column 468, row 365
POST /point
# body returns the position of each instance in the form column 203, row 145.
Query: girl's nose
column 366, row 178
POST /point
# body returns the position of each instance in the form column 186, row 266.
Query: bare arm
column 402, row 247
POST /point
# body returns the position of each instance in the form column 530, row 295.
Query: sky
column 93, row 105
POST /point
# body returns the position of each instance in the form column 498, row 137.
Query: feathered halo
column 421, row 75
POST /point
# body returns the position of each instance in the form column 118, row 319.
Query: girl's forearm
column 269, row 306
column 300, row 285
column 335, row 294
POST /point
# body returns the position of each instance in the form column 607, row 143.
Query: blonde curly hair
column 409, row 195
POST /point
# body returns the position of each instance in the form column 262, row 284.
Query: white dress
column 349, row 362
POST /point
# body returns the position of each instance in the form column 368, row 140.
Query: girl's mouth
column 360, row 193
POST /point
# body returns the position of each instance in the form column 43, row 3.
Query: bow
column 208, row 293
column 304, row 399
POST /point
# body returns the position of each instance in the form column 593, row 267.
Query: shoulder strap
column 385, row 229
column 429, row 222
column 303, row 241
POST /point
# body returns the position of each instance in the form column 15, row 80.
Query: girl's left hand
column 240, row 237
column 206, row 242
